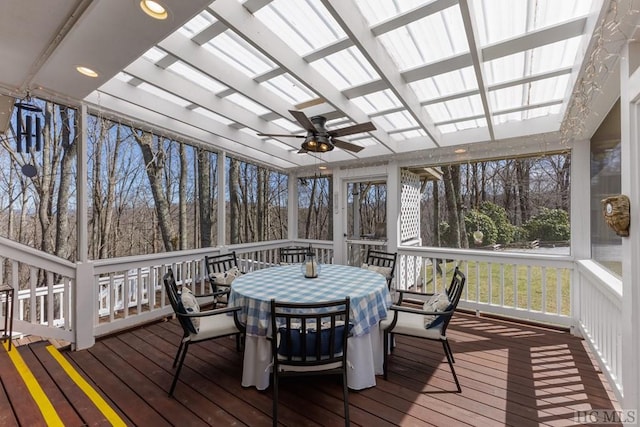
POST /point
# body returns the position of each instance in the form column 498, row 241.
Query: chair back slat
column 383, row 259
column 171, row 289
column 221, row 263
column 292, row 255
column 312, row 334
column 454, row 292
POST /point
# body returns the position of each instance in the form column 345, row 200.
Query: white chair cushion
column 437, row 302
column 225, row 278
column 190, row 304
column 385, row 271
column 411, row 324
column 215, row 326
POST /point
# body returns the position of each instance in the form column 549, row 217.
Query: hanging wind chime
column 29, row 131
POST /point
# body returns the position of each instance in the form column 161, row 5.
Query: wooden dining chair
column 221, row 271
column 292, row 255
column 310, row 339
column 429, row 321
column 197, row 326
column 383, row 263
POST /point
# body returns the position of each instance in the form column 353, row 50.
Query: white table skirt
column 364, row 354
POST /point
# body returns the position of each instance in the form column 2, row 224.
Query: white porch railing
column 128, row 291
column 599, row 318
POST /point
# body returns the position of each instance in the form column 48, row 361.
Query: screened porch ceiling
column 428, row 73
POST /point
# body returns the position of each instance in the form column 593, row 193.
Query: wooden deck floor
column 511, row 374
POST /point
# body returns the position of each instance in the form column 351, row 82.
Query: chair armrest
column 413, row 296
column 398, row 308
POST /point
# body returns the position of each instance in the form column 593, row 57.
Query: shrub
column 550, row 225
column 478, row 221
column 498, row 214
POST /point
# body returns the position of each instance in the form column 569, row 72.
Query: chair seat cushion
column 217, row 325
column 190, row 305
column 295, row 349
column 385, row 271
column 412, row 324
column 225, row 278
column 437, row 302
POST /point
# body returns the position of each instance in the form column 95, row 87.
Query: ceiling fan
column 318, row 139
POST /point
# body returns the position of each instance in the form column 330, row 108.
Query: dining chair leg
column 275, row 400
column 179, row 368
column 385, row 350
column 450, row 361
column 180, row 347
column 450, row 352
column 345, row 397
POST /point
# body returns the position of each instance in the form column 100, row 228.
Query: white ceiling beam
column 470, row 28
column 330, row 49
column 541, row 37
column 498, row 50
column 122, row 111
column 353, row 23
column 209, row 33
column 263, row 38
column 412, row 15
column 182, row 87
column 166, row 108
column 199, row 58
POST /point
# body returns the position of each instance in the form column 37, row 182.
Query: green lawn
column 507, row 281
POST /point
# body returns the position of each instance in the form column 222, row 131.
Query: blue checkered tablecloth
column 367, row 289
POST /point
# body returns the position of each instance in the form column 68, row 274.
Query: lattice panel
column 410, row 206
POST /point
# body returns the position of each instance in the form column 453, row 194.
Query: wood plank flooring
column 511, row 374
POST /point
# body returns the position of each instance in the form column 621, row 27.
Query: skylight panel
column 304, row 25
column 213, row 116
column 499, row 20
column 124, row 77
column 377, row 101
column 450, row 83
column 376, row 11
column 393, row 121
column 435, row 37
column 410, row 134
column 346, row 68
column 287, row 125
column 530, row 113
column 548, row 89
column 164, row 94
column 247, row 104
column 196, row 77
column 197, row 24
column 239, row 54
column 289, row 89
column 534, row 61
column 455, row 109
column 462, row 125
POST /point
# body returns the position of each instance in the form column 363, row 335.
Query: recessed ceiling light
column 322, row 167
column 460, row 150
column 86, row 71
column 154, row 9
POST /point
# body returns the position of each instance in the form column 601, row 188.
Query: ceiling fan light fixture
column 317, row 144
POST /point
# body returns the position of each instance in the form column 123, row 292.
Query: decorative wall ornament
column 616, row 213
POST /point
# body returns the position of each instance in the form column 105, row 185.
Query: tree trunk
column 69, row 155
column 155, row 163
column 204, row 201
column 451, row 199
column 234, row 202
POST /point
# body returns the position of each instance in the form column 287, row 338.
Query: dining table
column 369, row 302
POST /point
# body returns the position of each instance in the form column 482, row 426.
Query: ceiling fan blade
column 302, row 151
column 303, row 120
column 277, row 135
column 346, row 145
column 349, row 130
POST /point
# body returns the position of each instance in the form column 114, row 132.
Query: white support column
column 339, row 217
column 82, row 202
column 580, row 223
column 292, row 207
column 630, row 159
column 85, row 306
column 222, row 205
column 394, row 200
